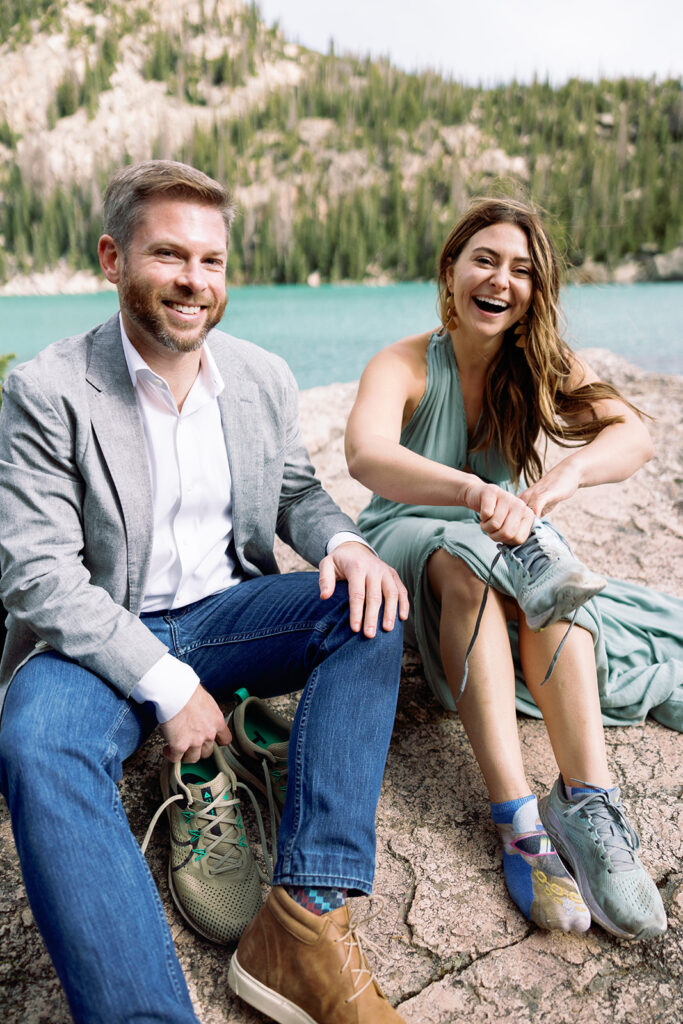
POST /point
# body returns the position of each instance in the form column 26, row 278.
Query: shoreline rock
column 644, row 267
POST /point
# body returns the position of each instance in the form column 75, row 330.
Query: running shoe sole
column 572, row 595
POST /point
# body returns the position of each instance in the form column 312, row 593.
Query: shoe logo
column 208, row 799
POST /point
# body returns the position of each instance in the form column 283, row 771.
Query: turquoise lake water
column 327, row 334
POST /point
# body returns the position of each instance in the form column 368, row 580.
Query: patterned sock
column 317, row 899
column 536, row 877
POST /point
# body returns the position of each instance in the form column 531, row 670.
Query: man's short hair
column 134, row 186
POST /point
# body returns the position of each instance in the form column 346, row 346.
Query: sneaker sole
column 262, row 998
column 567, row 600
column 551, row 823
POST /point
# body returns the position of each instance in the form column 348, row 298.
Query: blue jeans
column 65, row 734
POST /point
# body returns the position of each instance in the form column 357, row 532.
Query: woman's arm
column 390, row 390
column 615, row 454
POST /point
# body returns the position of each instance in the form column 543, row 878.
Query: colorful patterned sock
column 536, row 877
column 317, row 899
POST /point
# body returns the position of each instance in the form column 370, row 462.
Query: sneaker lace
column 354, row 942
column 610, row 824
column 209, row 837
column 279, row 775
column 534, row 560
column 531, row 556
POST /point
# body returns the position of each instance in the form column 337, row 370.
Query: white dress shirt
column 192, row 508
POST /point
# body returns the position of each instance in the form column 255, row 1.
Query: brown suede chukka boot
column 298, row 968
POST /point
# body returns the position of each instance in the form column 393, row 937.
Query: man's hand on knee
column 370, row 581
column 191, row 733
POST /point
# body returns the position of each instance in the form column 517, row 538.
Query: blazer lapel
column 239, row 404
column 118, row 428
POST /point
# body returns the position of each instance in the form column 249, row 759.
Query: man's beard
column 139, row 302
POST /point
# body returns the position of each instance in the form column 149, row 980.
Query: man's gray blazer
column 76, row 504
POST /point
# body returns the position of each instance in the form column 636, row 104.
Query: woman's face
column 491, row 281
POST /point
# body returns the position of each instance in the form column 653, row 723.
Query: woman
column 444, row 431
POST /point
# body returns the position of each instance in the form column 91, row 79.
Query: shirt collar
column 209, row 374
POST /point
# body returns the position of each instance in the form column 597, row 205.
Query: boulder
column 450, row 944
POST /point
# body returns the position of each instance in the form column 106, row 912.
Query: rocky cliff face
column 134, row 115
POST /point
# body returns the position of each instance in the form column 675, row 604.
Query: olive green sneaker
column 213, row 877
column 594, row 837
column 548, row 581
column 258, row 750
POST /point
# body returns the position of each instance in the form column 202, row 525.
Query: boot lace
column 353, row 942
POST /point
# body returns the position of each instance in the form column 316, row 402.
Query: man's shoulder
column 62, row 362
column 236, row 355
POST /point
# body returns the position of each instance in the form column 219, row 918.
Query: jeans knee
column 16, row 750
column 389, row 641
column 381, row 655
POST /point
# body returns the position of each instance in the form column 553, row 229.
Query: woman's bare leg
column 569, row 701
column 487, row 707
column 535, row 876
column 570, row 705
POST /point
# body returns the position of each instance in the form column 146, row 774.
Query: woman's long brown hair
column 525, row 394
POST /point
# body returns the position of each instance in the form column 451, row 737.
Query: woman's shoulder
column 408, row 354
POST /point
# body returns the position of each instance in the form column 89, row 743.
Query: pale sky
column 492, row 41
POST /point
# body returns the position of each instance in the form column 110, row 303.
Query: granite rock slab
column 448, row 945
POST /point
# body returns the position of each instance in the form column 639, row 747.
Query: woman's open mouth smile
column 487, row 304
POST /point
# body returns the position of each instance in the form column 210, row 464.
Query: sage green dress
column 637, row 632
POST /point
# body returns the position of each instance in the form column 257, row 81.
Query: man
column 145, row 467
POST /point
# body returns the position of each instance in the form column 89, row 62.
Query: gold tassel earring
column 522, row 331
column 451, row 318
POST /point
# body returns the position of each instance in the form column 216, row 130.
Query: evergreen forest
column 363, row 167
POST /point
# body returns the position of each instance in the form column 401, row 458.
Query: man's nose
column 193, row 276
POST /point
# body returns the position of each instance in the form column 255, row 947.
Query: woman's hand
column 557, row 485
column 503, row 516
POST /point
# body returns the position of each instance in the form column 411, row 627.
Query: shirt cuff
column 342, row 538
column 168, row 684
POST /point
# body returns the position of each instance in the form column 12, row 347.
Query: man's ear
column 111, row 258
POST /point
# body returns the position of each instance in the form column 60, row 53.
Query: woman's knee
column 452, row 580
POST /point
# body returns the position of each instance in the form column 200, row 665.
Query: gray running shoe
column 549, row 583
column 258, row 750
column 593, row 835
column 212, row 874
